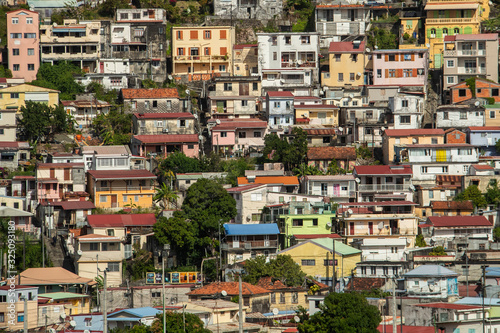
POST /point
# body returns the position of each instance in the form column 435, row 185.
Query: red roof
column 164, row 115
column 347, row 47
column 120, row 174
column 285, row 180
column 458, row 221
column 316, row 106
column 244, row 188
column 315, row 236
column 233, row 125
column 279, row 94
column 120, row 220
column 462, row 205
column 59, row 165
column 482, row 167
column 230, row 287
column 150, row 93
column 74, row 205
column 411, row 132
column 407, row 329
column 330, row 153
column 484, row 128
column 383, row 170
column 452, row 306
column 167, row 138
column 242, row 46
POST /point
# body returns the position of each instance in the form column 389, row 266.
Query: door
column 351, row 228
column 370, row 228
column 393, row 224
column 236, row 242
column 113, row 201
column 66, row 174
column 266, row 240
column 101, row 67
column 244, row 90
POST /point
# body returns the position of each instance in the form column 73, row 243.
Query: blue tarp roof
column 251, row 229
column 492, row 271
column 478, row 301
column 429, row 271
column 137, row 312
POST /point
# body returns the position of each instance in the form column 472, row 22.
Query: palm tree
column 166, row 195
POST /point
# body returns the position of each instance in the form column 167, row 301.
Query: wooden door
column 244, row 89
column 113, row 201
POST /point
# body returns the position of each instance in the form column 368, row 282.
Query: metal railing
column 248, row 245
column 384, row 187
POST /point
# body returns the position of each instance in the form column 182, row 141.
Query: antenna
column 357, row 180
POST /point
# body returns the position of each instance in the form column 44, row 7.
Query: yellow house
column 445, row 18
column 347, row 64
column 15, row 97
column 246, row 58
column 492, row 115
column 202, row 50
column 407, row 137
column 317, row 114
column 312, row 257
column 73, row 303
column 121, row 188
column 410, row 26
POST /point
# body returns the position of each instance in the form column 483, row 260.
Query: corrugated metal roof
column 430, row 271
column 251, row 229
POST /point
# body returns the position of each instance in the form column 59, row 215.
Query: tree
column 438, row 251
column 347, row 313
column 60, row 77
column 472, row 193
column 40, row 122
column 113, row 128
column 492, row 194
column 420, row 241
column 100, row 93
column 291, row 153
column 382, row 38
column 305, row 170
column 176, row 322
column 166, row 195
column 178, row 162
column 179, row 233
column 282, row 268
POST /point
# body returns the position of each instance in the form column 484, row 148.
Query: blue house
column 280, row 111
column 431, row 281
column 485, row 138
column 131, row 317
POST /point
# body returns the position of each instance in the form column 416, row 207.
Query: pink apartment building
column 239, row 135
column 400, row 67
column 23, row 44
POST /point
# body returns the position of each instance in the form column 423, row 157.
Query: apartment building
column 411, row 136
column 59, row 181
column 484, row 88
column 202, row 50
column 347, row 64
column 407, row 110
column 406, row 67
column 235, row 97
column 364, row 125
column 459, row 116
column 15, row 97
column 289, row 61
column 163, row 123
column 106, row 157
column 246, row 57
column 336, row 21
column 340, row 187
column 380, row 182
column 248, row 9
column 85, row 109
column 239, row 136
column 280, row 109
column 448, row 19
column 23, row 44
column 156, row 100
column 75, row 42
column 8, row 125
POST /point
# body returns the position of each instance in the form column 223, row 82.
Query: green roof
column 492, row 106
column 340, row 248
column 62, row 295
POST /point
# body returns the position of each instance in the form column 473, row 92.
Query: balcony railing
column 201, row 58
column 124, row 188
column 451, row 20
column 248, row 245
column 383, row 187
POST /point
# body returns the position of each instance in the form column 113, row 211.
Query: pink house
column 239, row 135
column 400, row 67
column 164, row 144
column 23, row 44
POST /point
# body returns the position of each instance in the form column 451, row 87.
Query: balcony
column 250, row 245
column 201, row 58
column 471, row 20
column 124, row 188
column 383, row 187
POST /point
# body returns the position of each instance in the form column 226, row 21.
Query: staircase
column 57, row 253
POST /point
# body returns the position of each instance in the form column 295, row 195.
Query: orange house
column 484, row 89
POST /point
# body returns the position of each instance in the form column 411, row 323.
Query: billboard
column 173, row 277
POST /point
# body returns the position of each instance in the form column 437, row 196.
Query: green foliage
column 420, row 241
column 305, row 170
column 282, row 268
column 175, row 322
column 148, row 84
column 109, row 7
column 438, row 251
column 334, row 169
column 291, row 153
column 347, row 313
column 179, row 233
column 165, row 195
column 363, row 152
column 177, row 162
column 471, row 83
column 235, row 168
column 60, row 77
column 101, row 94
column 375, row 293
column 496, row 234
column 5, row 72
column 472, row 193
column 40, row 122
column 113, row 128
column 492, row 194
column 137, row 267
column 490, row 100
column 382, row 38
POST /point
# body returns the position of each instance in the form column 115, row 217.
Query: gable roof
column 327, row 244
column 458, row 221
column 244, row 188
column 466, row 205
column 484, row 128
column 346, row 47
column 285, row 180
column 137, row 312
column 50, row 276
column 329, row 153
column 451, row 306
column 280, row 94
column 251, row 229
column 150, row 93
column 120, row 220
column 429, row 271
column 231, row 288
column 383, row 170
column 411, row 132
column 121, row 174
column 482, row 167
column 24, row 87
column 365, row 283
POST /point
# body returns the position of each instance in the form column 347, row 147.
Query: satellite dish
column 187, row 91
column 376, row 47
column 223, row 293
column 476, row 103
column 296, row 319
column 54, row 24
column 382, row 128
column 170, row 77
column 350, row 211
column 427, row 45
column 341, row 129
column 63, row 316
column 72, row 323
column 351, row 95
column 357, row 180
column 276, row 311
column 200, row 137
column 80, row 252
column 412, row 187
column 359, row 74
column 329, row 224
column 414, row 140
column 368, row 50
column 217, row 121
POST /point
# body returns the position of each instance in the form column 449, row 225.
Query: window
column 434, row 141
column 244, row 103
column 450, row 63
column 256, row 197
column 242, row 135
column 136, row 16
column 30, row 35
column 341, row 77
column 433, row 33
column 207, row 34
column 450, row 79
column 405, row 120
column 404, row 103
column 392, row 57
column 14, row 95
column 15, row 52
column 16, row 35
column 182, row 123
column 288, row 40
column 445, row 115
column 111, row 232
column 274, row 40
column 20, row 317
column 31, row 52
column 379, row 73
column 338, row 57
column 277, row 104
column 179, row 35
column 373, row 270
column 315, row 222
column 257, row 134
column 462, row 92
column 113, row 266
column 297, row 222
column 463, row 115
column 138, row 32
column 223, row 134
column 222, row 68
column 352, row 77
column 305, row 39
column 15, row 68
column 423, row 169
column 407, row 72
column 308, row 262
column 392, row 72
column 31, row 67
column 275, row 55
column 273, row 298
column 103, row 198
column 295, row 297
column 492, row 114
column 228, row 87
column 15, row 20
column 255, row 86
column 146, row 104
column 456, row 31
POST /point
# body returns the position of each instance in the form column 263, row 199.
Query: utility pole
column 394, row 314
column 163, row 289
column 240, row 305
column 104, row 306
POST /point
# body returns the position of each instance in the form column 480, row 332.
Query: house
column 127, row 318
column 256, row 298
column 70, row 214
column 410, row 24
column 200, row 53
column 25, row 187
column 280, row 109
column 73, row 303
column 466, row 56
column 21, row 218
column 163, row 123
column 364, row 125
column 46, row 8
column 286, row 184
column 459, row 116
column 340, row 188
column 408, row 136
column 388, row 219
column 155, row 100
column 315, row 258
column 380, row 258
column 451, row 232
column 83, row 37
column 453, row 135
column 250, row 200
column 253, row 10
column 59, row 181
column 106, row 157
column 138, row 35
column 238, row 136
column 484, row 88
column 335, row 21
column 121, row 188
column 321, row 157
column 451, row 208
column 12, row 306
column 346, row 56
column 8, row 125
column 492, row 114
column 407, row 110
column 484, row 137
column 54, row 279
column 289, row 61
column 438, row 24
column 317, row 135
column 14, row 154
column 14, row 97
column 444, row 188
column 111, row 73
column 247, row 241
column 318, row 114
column 85, row 109
column 24, row 51
column 382, row 182
column 431, row 281
column 245, row 58
column 235, row 97
column 481, row 170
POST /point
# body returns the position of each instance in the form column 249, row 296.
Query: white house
column 459, row 116
column 280, row 110
column 431, row 281
column 106, row 157
column 382, row 182
column 408, row 110
column 289, row 60
column 250, row 199
column 364, row 124
column 340, row 187
column 379, row 249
